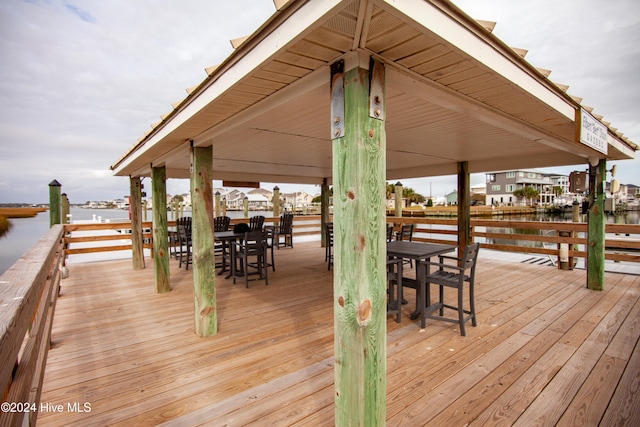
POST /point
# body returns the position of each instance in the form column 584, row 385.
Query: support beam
column 360, row 251
column 595, row 226
column 464, row 207
column 160, row 232
column 204, row 274
column 135, row 209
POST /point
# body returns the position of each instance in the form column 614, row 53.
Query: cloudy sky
column 82, row 80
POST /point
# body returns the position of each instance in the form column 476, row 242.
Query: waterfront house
column 501, row 185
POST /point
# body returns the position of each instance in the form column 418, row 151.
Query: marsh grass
column 5, row 225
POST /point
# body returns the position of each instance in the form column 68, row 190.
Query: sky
column 82, row 80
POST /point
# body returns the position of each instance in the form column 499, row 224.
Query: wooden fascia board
column 427, row 15
column 254, row 52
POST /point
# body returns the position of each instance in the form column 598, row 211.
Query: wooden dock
column 546, row 351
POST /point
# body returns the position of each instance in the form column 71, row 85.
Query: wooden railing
column 622, row 241
column 535, row 237
column 28, row 294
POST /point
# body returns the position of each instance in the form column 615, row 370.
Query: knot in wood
column 341, row 301
column 351, row 195
column 364, row 312
column 206, row 311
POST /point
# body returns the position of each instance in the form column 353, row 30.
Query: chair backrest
column 328, row 233
column 221, row 223
column 242, row 227
column 255, row 241
column 470, row 257
column 286, row 223
column 256, row 222
column 389, row 232
column 406, row 232
column 184, row 233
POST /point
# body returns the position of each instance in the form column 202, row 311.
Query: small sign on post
column 591, row 132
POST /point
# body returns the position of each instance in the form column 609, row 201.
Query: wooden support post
column 464, row 207
column 360, row 248
column 64, row 208
column 595, row 226
column 204, row 274
column 135, row 208
column 216, row 204
column 324, row 211
column 276, row 201
column 54, row 203
column 160, row 232
column 398, row 199
column 245, row 206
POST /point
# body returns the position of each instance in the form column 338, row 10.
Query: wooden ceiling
column 454, row 92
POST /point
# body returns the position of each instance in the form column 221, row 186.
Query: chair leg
column 461, row 313
column 472, row 306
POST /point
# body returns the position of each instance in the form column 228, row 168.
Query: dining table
column 420, row 252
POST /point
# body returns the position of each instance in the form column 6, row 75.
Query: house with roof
column 501, row 185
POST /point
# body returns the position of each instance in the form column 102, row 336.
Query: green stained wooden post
column 464, row 207
column 276, row 201
column 135, row 207
column 204, row 283
column 245, row 204
column 160, row 232
column 324, row 211
column 54, row 203
column 595, row 226
column 360, row 256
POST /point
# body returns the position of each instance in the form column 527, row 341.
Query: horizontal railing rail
column 534, row 237
column 28, row 291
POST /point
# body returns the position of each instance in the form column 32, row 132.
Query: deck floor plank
column 542, row 345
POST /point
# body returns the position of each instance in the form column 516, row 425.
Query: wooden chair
column 256, row 223
column 221, row 223
column 285, row 229
column 389, row 232
column 184, row 239
column 454, row 274
column 406, row 234
column 394, row 287
column 251, row 252
column 328, row 249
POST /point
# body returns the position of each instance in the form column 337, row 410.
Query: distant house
column 298, row 199
column 501, row 185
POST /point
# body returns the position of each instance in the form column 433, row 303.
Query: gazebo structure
column 353, row 93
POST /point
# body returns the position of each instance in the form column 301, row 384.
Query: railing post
column 135, row 206
column 54, row 203
column 276, row 201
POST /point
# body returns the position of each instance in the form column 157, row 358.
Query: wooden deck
column 546, row 351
